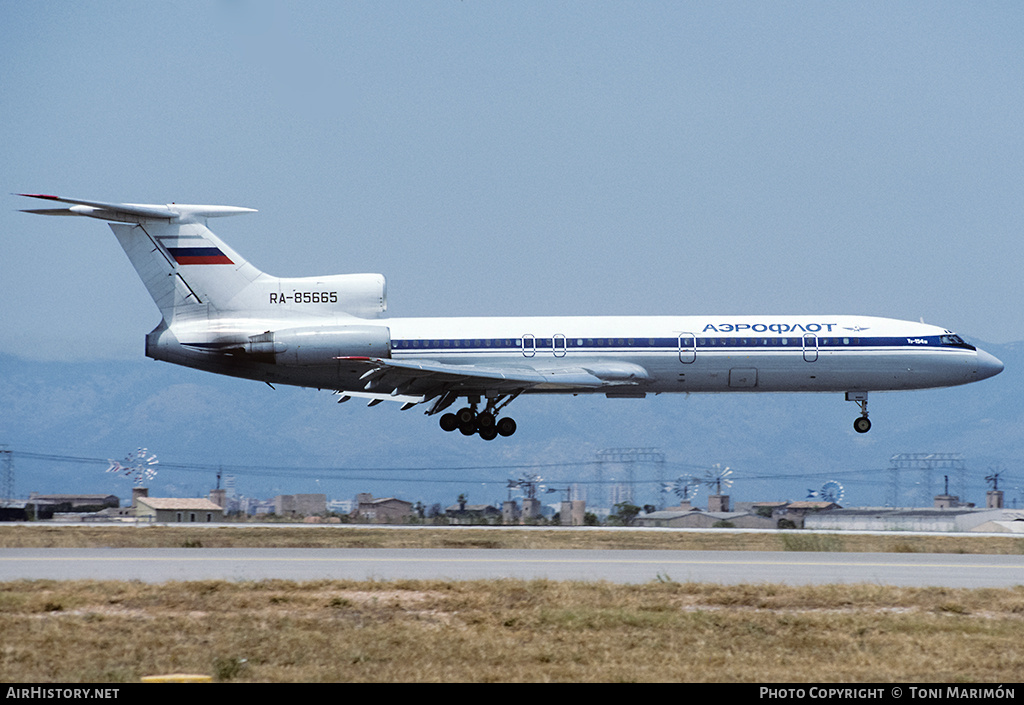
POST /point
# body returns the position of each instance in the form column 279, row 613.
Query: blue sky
column 543, row 158
column 527, row 158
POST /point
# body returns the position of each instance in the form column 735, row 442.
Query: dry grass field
column 503, row 630
column 351, row 536
column 507, row 631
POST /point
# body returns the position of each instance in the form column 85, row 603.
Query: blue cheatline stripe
column 687, row 343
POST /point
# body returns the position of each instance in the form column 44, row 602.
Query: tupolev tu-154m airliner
column 223, row 315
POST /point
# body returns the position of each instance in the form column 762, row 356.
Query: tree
column 624, row 513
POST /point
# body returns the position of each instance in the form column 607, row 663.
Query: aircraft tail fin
column 181, row 262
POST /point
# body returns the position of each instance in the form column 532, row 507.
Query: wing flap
column 375, row 398
column 403, row 380
column 503, row 376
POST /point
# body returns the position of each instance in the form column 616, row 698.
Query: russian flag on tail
column 199, row 255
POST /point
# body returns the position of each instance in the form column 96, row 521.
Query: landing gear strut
column 485, row 423
column 861, row 424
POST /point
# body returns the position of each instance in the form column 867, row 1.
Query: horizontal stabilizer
column 134, row 212
column 49, row 211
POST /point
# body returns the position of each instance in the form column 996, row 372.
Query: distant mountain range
column 58, row 415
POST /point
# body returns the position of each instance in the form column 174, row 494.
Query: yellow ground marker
column 178, row 678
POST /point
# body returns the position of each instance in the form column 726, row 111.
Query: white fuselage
column 823, row 353
column 709, row 354
column 222, row 314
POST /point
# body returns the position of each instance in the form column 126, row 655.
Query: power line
column 399, row 474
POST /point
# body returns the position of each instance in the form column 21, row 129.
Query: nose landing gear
column 861, row 424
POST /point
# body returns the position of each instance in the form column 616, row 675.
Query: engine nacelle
column 360, row 295
column 321, row 345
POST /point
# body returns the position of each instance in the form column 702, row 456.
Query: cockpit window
column 955, row 340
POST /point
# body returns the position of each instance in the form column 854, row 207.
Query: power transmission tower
column 924, row 465
column 629, row 457
column 7, row 458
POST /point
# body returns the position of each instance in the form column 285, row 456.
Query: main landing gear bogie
column 468, row 423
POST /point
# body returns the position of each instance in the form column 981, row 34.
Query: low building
column 22, row 511
column 76, row 502
column 110, row 514
column 341, row 506
column 256, row 507
column 950, row 501
column 698, row 519
column 1012, row 522
column 473, row 514
column 573, row 512
column 795, row 514
column 300, row 504
column 176, row 510
column 765, row 509
column 510, row 512
column 382, row 510
column 905, row 519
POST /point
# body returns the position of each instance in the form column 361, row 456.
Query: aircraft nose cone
column 988, row 365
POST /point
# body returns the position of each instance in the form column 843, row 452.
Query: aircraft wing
column 417, row 381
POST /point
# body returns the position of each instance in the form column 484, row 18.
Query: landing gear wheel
column 506, row 426
column 465, row 417
column 449, row 422
column 489, row 433
column 467, row 429
column 860, row 425
column 485, row 419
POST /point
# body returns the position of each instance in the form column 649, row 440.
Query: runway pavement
column 619, row 566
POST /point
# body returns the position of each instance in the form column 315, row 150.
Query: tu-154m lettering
column 223, row 315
